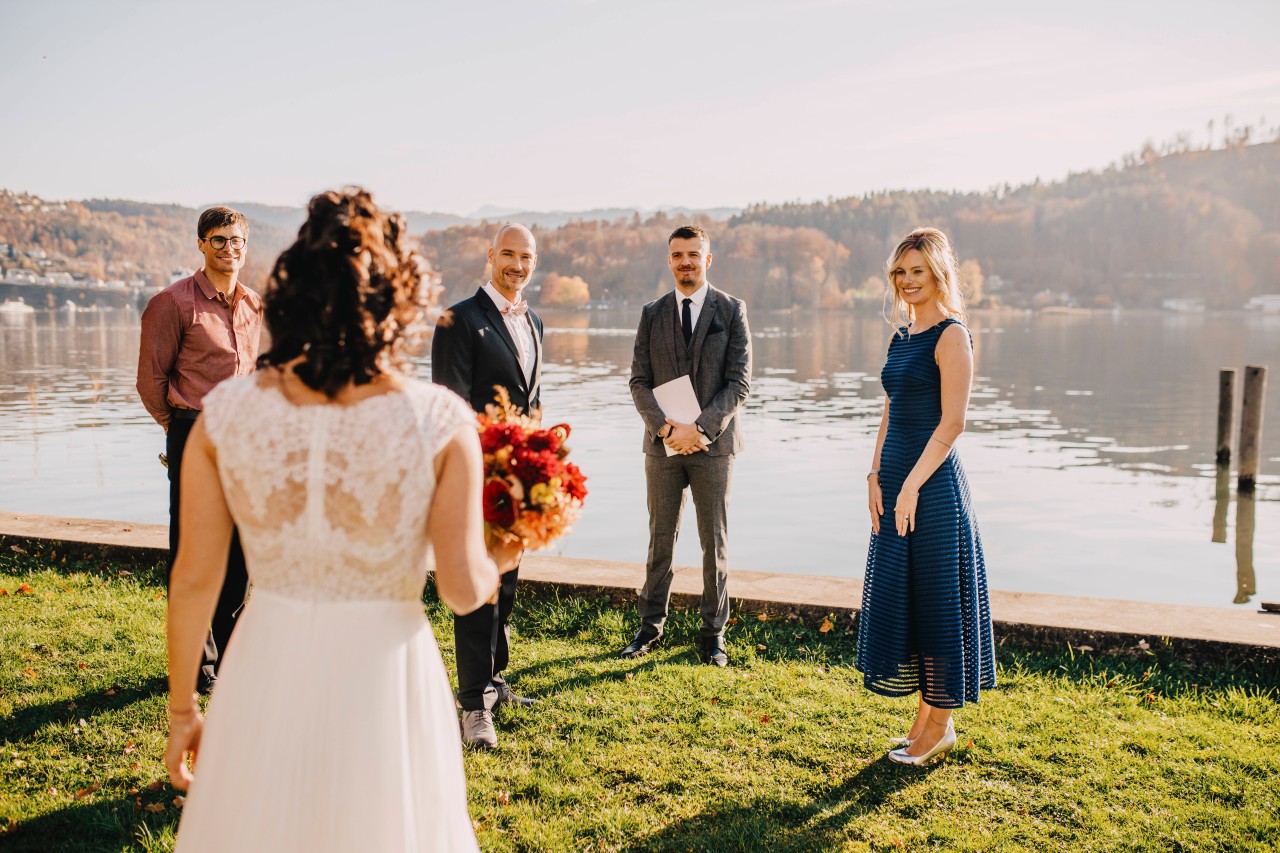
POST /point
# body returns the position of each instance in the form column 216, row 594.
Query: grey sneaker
column 478, row 731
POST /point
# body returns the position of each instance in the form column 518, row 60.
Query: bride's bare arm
column 197, row 578
column 465, row 575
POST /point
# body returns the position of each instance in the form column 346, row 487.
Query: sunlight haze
column 575, row 105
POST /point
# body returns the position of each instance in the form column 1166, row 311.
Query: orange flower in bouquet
column 532, row 494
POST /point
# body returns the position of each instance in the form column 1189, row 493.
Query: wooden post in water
column 1255, row 392
column 1226, row 404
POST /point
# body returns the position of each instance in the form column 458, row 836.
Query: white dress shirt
column 699, row 296
column 521, row 329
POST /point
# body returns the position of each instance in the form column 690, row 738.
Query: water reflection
column 1221, row 502
column 1089, row 446
column 1246, row 581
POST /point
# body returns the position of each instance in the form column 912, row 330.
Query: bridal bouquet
column 532, row 495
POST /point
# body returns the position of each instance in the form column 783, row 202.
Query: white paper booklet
column 679, row 402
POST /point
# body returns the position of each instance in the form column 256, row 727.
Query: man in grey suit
column 699, row 331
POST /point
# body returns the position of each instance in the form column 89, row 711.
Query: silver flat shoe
column 942, row 747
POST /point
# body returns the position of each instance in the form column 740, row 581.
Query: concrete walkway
column 1094, row 622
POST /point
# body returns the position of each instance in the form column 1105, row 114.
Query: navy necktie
column 686, row 321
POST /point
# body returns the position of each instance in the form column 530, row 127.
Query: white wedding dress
column 332, row 727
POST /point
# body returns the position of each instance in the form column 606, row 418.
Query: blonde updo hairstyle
column 941, row 258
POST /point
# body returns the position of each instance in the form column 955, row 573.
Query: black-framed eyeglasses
column 217, row 241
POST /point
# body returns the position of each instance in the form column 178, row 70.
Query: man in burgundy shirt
column 197, row 332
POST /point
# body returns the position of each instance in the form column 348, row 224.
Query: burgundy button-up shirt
column 193, row 337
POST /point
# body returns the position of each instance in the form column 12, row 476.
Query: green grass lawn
column 782, row 751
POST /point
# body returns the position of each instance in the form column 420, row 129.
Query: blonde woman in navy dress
column 925, row 624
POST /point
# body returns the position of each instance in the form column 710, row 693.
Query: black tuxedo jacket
column 472, row 351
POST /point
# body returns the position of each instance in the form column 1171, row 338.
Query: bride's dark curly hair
column 347, row 295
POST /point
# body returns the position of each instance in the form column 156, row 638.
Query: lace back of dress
column 332, row 501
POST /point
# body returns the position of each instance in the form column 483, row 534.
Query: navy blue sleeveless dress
column 926, row 622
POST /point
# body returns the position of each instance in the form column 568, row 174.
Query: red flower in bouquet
column 499, row 504
column 535, row 467
column 503, row 434
column 532, row 495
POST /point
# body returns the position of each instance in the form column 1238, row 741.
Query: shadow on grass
column 25, row 556
column 783, row 825
column 91, row 826
column 23, row 723
column 1159, row 670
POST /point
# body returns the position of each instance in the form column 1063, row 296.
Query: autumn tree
column 564, row 291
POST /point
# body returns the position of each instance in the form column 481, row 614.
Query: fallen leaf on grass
column 3, row 591
column 156, row 785
column 110, row 692
column 133, row 768
column 826, row 626
column 159, row 595
column 129, row 747
column 715, row 701
column 53, row 792
column 125, row 574
column 82, row 665
column 179, row 801
column 1149, row 698
column 29, row 672
column 628, row 676
column 762, row 616
column 153, row 807
column 969, row 745
column 133, row 792
column 761, row 646
column 25, row 589
column 504, row 798
column 15, row 549
column 765, row 718
column 84, row 792
column 733, row 620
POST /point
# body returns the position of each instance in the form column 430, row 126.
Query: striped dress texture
column 926, row 621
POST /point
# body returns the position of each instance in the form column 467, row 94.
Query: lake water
column 1089, row 447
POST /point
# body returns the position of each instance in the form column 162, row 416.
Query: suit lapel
column 667, row 326
column 536, row 385
column 700, row 331
column 494, row 316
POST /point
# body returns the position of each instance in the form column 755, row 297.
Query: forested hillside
column 1170, row 223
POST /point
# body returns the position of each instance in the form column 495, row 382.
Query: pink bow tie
column 517, row 310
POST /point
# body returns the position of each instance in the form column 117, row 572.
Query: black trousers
column 236, row 584
column 480, row 641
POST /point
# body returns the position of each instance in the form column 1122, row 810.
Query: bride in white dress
column 332, row 727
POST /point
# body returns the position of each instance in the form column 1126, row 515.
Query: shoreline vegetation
column 1168, row 224
column 784, row 750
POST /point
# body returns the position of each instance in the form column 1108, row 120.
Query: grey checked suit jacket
column 720, row 367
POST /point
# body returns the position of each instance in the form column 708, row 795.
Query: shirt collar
column 211, row 292
column 698, row 296
column 496, row 295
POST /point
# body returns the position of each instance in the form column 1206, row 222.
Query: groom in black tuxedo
column 492, row 338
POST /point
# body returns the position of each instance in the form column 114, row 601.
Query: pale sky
column 575, row 104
